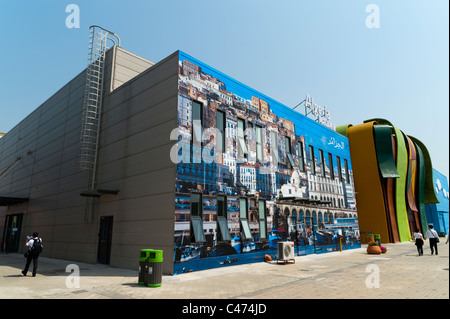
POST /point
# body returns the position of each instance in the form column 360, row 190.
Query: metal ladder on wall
column 92, row 105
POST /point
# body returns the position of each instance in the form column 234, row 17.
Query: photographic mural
column 251, row 172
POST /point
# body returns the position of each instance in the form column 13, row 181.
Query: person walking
column 433, row 236
column 419, row 242
column 32, row 254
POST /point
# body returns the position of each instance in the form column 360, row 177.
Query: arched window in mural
column 253, row 212
column 314, row 218
column 331, row 218
column 302, row 218
column 294, row 218
column 308, row 219
column 320, row 225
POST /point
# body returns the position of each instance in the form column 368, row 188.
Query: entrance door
column 11, row 234
column 104, row 239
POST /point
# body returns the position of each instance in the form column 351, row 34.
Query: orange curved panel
column 411, row 177
column 390, row 202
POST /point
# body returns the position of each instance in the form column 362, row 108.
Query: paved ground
column 398, row 274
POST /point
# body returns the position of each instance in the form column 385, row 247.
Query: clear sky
column 285, row 49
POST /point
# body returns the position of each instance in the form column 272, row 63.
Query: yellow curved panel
column 369, row 191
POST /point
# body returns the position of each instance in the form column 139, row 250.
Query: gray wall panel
column 134, row 151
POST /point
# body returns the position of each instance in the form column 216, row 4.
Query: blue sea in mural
column 253, row 257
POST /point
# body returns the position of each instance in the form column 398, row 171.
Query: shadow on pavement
column 59, row 267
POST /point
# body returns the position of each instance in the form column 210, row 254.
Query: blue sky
column 284, row 49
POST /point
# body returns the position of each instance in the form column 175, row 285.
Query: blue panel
column 437, row 214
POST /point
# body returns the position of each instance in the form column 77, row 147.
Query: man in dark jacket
column 32, row 253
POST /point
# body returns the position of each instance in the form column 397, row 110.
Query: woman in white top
column 419, row 242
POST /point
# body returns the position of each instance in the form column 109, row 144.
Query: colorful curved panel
column 400, row 188
column 386, row 164
column 400, row 183
column 404, row 173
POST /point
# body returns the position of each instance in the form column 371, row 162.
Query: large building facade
column 189, row 161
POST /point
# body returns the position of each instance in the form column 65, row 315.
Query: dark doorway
column 11, row 233
column 104, row 239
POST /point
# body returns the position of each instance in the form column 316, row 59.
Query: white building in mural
column 293, row 188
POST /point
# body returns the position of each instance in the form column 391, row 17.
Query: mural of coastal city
column 252, row 172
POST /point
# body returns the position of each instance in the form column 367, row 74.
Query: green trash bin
column 150, row 267
column 144, row 255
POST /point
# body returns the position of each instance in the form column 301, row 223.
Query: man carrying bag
column 433, row 236
column 34, row 245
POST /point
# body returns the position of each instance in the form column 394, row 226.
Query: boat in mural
column 274, row 238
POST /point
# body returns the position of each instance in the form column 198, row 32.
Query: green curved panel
column 400, row 187
column 421, row 188
column 342, row 129
column 390, row 199
column 385, row 157
column 430, row 195
column 380, row 121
